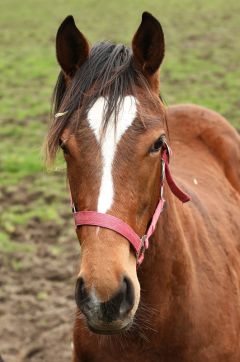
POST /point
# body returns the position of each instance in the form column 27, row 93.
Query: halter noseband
column 139, row 244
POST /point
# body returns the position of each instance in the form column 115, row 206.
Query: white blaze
column 126, row 115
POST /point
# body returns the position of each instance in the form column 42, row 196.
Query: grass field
column 201, row 66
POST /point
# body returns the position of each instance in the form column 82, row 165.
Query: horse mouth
column 108, row 330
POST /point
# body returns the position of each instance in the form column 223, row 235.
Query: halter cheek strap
column 139, row 244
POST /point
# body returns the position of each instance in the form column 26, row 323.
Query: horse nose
column 120, row 304
column 81, row 295
column 115, row 308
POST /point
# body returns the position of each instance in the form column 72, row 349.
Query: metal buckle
column 162, row 178
column 161, row 191
column 169, row 151
column 142, row 248
column 74, row 209
column 163, row 170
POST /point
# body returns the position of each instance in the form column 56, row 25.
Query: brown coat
column 190, row 279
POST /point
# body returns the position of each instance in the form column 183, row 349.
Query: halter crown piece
column 139, row 244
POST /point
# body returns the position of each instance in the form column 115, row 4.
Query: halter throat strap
column 139, row 244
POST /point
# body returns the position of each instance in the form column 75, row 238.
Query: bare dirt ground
column 37, row 290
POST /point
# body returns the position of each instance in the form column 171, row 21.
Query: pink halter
column 139, row 244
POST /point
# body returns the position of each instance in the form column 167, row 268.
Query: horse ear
column 148, row 45
column 71, row 47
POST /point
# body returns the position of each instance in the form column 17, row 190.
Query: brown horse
column 183, row 302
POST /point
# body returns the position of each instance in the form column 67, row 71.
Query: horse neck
column 167, row 269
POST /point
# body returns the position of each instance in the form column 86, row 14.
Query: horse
column 182, row 302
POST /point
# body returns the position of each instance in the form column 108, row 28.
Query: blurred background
column 39, row 252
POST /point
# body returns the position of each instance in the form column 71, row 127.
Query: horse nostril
column 128, row 300
column 80, row 292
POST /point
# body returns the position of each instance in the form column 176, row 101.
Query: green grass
column 201, row 66
column 18, row 215
column 9, row 246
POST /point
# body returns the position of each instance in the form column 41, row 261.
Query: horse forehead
column 126, row 114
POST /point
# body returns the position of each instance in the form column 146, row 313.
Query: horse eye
column 157, row 145
column 63, row 146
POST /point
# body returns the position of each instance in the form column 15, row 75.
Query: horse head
column 111, row 127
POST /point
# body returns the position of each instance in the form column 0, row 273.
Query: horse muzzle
column 106, row 317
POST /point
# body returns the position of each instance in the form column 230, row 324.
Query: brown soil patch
column 37, row 293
